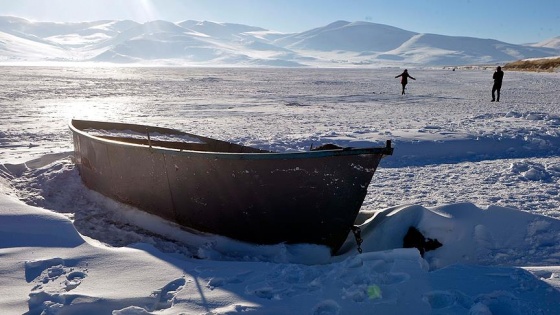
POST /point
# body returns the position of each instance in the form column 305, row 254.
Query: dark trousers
column 496, row 88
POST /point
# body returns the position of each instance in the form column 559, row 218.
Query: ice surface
column 483, row 178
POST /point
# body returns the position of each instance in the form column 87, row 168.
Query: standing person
column 498, row 77
column 404, row 79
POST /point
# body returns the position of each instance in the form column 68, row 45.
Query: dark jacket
column 498, row 77
column 404, row 77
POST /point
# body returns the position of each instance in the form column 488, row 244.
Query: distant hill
column 204, row 43
column 549, row 43
column 346, row 36
column 435, row 49
column 539, row 64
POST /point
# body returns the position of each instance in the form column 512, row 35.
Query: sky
column 512, row 21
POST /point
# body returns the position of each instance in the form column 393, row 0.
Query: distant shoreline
column 535, row 65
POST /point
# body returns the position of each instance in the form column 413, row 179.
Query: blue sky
column 512, row 21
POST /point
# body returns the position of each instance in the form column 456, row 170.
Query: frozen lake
column 451, row 143
column 481, row 177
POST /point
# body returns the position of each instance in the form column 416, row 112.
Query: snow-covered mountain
column 550, row 43
column 226, row 44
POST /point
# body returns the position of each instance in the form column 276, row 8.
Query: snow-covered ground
column 483, row 178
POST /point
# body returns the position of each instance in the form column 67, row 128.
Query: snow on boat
column 218, row 187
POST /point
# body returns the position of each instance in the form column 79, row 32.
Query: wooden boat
column 223, row 188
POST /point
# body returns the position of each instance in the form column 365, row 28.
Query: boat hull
column 264, row 198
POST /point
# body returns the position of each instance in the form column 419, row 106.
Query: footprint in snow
column 217, row 282
column 166, row 295
column 54, row 275
column 52, row 278
column 74, row 279
column 326, row 307
column 439, row 300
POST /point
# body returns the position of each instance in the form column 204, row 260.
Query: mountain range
column 204, row 43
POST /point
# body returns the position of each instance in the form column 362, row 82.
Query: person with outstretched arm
column 498, row 77
column 404, row 79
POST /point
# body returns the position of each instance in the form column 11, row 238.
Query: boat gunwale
column 387, row 150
